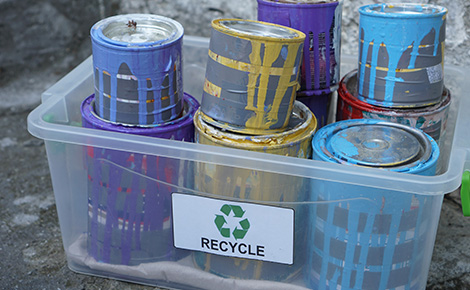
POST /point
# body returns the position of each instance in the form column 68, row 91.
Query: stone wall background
column 42, row 40
column 38, row 33
column 196, row 16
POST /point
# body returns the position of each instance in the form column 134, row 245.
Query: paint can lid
column 402, row 10
column 381, row 144
column 137, row 30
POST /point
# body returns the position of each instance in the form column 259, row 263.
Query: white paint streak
column 7, row 142
column 35, row 201
column 29, row 252
column 24, row 219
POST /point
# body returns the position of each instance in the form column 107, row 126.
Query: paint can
column 129, row 194
column 318, row 105
column 431, row 119
column 321, row 23
column 258, row 187
column 401, row 54
column 366, row 237
column 137, row 69
column 251, row 75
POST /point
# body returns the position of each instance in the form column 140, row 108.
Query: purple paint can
column 321, row 23
column 129, row 194
column 137, row 69
column 318, row 105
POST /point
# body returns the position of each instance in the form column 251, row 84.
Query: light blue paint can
column 401, row 54
column 364, row 237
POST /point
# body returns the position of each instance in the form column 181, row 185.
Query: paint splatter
column 7, row 142
column 24, row 219
column 35, row 201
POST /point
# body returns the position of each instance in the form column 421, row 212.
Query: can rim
column 319, row 92
column 298, row 36
column 429, row 148
column 312, row 5
column 190, row 106
column 238, row 128
column 300, row 132
column 403, row 10
column 97, row 34
column 348, row 96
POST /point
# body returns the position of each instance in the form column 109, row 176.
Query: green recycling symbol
column 238, row 212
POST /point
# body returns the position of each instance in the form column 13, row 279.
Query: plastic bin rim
column 440, row 184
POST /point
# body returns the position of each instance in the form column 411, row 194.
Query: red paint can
column 431, row 119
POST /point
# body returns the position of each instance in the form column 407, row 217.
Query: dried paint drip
column 321, row 23
column 363, row 237
column 129, row 194
column 255, row 186
column 431, row 119
column 320, row 69
column 401, row 54
column 137, row 69
column 252, row 74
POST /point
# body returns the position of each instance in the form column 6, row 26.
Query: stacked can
column 138, row 90
column 251, row 76
column 401, row 54
column 365, row 237
column 372, row 238
column 400, row 68
column 321, row 23
column 137, row 69
column 431, row 119
column 251, row 185
column 249, row 103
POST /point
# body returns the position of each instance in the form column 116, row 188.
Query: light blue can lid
column 375, row 143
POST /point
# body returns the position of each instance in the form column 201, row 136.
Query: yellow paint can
column 251, row 75
column 258, row 187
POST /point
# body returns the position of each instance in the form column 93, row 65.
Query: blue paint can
column 137, row 69
column 401, row 54
column 364, row 237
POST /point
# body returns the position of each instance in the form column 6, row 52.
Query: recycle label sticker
column 236, row 229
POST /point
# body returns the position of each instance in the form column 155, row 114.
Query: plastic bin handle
column 465, row 193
